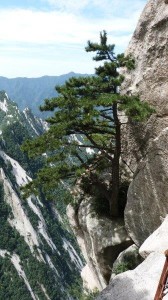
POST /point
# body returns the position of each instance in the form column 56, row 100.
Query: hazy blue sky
column 48, row 37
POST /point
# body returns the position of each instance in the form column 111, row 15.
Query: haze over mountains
column 31, row 92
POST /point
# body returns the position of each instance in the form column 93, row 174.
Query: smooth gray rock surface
column 149, row 47
column 147, row 201
column 146, row 146
column 157, row 241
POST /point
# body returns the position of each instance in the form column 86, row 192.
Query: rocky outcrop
column 146, row 146
column 100, row 239
column 142, row 282
column 139, row 284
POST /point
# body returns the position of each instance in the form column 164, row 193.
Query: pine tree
column 86, row 117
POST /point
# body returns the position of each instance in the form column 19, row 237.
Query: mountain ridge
column 31, row 92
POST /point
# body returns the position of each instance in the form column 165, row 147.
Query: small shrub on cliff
column 78, row 295
column 130, row 262
column 121, row 267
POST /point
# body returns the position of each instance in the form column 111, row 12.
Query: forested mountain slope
column 39, row 257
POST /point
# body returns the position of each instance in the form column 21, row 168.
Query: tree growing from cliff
column 86, row 118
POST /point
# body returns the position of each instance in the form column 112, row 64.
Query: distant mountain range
column 31, row 92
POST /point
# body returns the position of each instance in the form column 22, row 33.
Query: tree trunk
column 114, row 202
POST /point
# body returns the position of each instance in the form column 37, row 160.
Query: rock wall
column 145, row 151
column 149, row 47
column 101, row 241
column 146, row 146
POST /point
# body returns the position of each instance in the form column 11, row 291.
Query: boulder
column 145, row 145
column 139, row 284
column 157, row 241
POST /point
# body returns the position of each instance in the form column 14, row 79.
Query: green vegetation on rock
column 84, row 138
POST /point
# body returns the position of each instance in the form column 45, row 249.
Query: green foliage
column 99, row 203
column 135, row 109
column 89, row 296
column 14, row 135
column 100, row 206
column 77, row 292
column 85, row 116
column 12, row 286
column 121, row 267
column 130, row 262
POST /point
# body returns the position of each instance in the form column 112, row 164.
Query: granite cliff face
column 147, row 147
column 146, row 153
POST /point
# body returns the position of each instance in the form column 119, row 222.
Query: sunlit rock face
column 149, row 47
column 89, row 283
column 146, row 145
